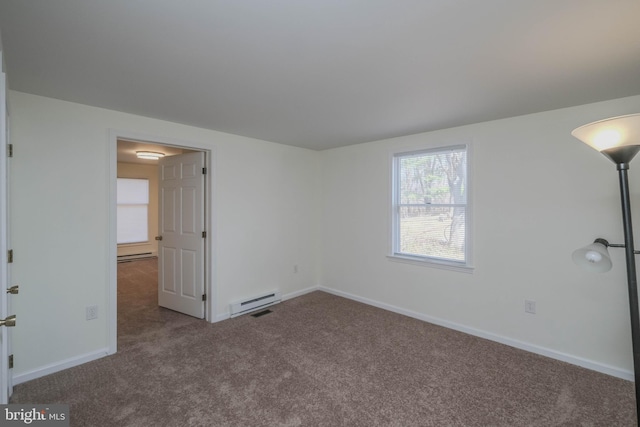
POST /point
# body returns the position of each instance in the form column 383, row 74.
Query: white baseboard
column 553, row 354
column 532, row 348
column 59, row 366
column 221, row 317
column 227, row 315
column 299, row 293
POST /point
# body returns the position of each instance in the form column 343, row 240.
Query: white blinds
column 132, row 210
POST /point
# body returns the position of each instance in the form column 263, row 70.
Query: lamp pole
column 632, row 280
column 618, row 138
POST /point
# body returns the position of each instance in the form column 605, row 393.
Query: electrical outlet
column 92, row 312
column 529, row 306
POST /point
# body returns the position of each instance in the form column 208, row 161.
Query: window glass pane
column 132, row 210
column 132, row 224
column 435, row 177
column 428, row 231
column 431, row 204
column 132, row 191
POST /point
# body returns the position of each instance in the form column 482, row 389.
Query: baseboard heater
column 122, row 258
column 253, row 304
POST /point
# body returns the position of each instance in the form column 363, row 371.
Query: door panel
column 168, row 204
column 181, row 250
column 168, row 269
column 189, row 215
column 189, row 279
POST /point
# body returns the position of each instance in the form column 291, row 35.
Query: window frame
column 395, row 254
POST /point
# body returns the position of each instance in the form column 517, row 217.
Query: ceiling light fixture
column 149, row 155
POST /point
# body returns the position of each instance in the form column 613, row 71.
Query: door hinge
column 11, row 361
column 8, row 321
column 10, row 256
column 204, row 171
column 204, row 234
column 204, row 297
column 10, row 150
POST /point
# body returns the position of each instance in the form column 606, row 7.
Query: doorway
column 122, row 148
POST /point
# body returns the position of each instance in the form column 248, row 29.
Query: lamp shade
column 610, row 133
column 593, row 258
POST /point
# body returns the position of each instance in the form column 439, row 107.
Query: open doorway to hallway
column 141, row 210
column 141, row 206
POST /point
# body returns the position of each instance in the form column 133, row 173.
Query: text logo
column 34, row 415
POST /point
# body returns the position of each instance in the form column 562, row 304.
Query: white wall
column 538, row 194
column 265, row 221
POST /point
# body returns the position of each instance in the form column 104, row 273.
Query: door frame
column 112, row 250
column 6, row 373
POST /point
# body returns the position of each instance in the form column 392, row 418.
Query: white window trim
column 433, row 262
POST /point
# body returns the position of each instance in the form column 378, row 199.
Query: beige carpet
column 318, row 360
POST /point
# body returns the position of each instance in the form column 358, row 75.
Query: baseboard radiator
column 124, row 258
column 242, row 307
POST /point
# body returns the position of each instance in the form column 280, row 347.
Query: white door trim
column 112, row 273
column 5, row 373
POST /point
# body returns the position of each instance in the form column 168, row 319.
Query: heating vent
column 254, row 304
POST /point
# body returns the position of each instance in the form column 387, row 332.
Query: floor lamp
column 618, row 139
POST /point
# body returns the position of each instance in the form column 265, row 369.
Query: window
column 430, row 212
column 132, row 210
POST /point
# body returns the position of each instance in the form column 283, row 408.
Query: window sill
column 430, row 263
column 127, row 245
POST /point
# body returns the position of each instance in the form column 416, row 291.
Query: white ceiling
column 324, row 73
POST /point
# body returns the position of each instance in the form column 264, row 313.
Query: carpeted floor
column 318, row 360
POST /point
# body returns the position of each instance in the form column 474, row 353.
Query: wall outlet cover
column 92, row 312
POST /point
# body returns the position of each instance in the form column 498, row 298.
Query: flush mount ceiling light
column 149, row 155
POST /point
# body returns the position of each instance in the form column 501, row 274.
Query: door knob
column 158, row 237
column 13, row 290
column 9, row 321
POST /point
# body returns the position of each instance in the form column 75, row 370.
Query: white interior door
column 5, row 379
column 182, row 233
